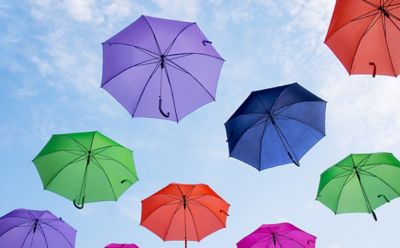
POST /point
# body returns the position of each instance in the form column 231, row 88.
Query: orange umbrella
column 365, row 36
column 184, row 212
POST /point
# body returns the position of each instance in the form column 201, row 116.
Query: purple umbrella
column 282, row 235
column 121, row 246
column 25, row 228
column 161, row 68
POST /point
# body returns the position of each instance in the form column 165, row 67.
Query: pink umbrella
column 121, row 246
column 281, row 235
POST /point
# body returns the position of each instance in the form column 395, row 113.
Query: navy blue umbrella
column 276, row 126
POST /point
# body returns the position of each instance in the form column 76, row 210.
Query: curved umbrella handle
column 126, row 180
column 384, row 197
column 206, row 42
column 80, row 206
column 374, row 71
column 166, row 115
column 223, row 212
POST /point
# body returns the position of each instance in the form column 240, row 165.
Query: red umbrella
column 365, row 36
column 184, row 212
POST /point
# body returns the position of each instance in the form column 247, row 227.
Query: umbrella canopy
column 276, row 126
column 184, row 212
column 360, row 183
column 281, row 235
column 26, row 228
column 364, row 35
column 121, row 246
column 161, row 68
column 85, row 167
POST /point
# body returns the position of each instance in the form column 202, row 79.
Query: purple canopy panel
column 282, row 235
column 121, row 246
column 161, row 68
column 24, row 228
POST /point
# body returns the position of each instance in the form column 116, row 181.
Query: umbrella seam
column 154, row 35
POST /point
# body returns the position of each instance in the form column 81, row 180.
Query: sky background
column 50, row 69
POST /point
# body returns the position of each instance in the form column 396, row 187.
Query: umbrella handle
column 206, row 42
column 223, row 212
column 374, row 71
column 166, row 115
column 384, row 197
column 126, row 180
column 80, row 206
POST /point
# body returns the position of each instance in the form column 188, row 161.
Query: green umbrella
column 85, row 167
column 360, row 183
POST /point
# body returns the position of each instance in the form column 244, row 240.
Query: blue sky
column 50, row 71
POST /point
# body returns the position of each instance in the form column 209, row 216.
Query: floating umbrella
column 360, row 183
column 184, row 212
column 121, row 246
column 161, row 68
column 364, row 35
column 85, row 167
column 276, row 126
column 281, row 235
column 25, row 228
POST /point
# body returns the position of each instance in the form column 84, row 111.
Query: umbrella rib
column 154, row 35
column 370, row 26
column 259, row 122
column 386, row 42
column 144, row 50
column 176, row 37
column 284, row 236
column 79, row 159
column 121, row 164
column 300, row 121
column 368, row 2
column 194, row 223
column 202, row 205
column 108, row 179
column 277, row 111
column 286, row 144
column 55, row 229
column 80, row 145
column 130, row 67
column 26, row 238
column 145, row 86
column 44, row 236
column 261, row 142
column 181, row 55
column 343, row 174
column 348, row 179
column 178, row 67
column 380, row 179
column 172, row 217
column 20, row 225
column 172, row 93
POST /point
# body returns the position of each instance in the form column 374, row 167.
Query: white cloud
column 179, row 9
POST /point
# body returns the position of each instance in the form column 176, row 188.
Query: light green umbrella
column 360, row 183
column 85, row 167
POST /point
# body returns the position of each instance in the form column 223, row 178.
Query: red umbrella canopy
column 184, row 212
column 365, row 36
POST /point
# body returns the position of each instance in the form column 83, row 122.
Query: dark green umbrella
column 360, row 183
column 85, row 167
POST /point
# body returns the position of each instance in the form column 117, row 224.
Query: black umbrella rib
column 194, row 222
column 348, row 179
column 26, row 238
column 180, row 204
column 370, row 26
column 172, row 92
column 108, row 179
column 79, row 159
column 178, row 67
column 181, row 55
column 194, row 202
column 146, row 62
column 299, row 121
column 284, row 236
column 17, row 226
column 55, row 229
column 44, row 235
column 386, row 43
column 285, row 143
column 142, row 49
column 372, row 4
column 145, row 86
column 380, row 179
column 154, row 35
column 176, row 37
column 122, row 165
column 259, row 122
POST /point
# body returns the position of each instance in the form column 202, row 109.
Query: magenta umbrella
column 121, row 246
column 161, row 68
column 281, row 235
